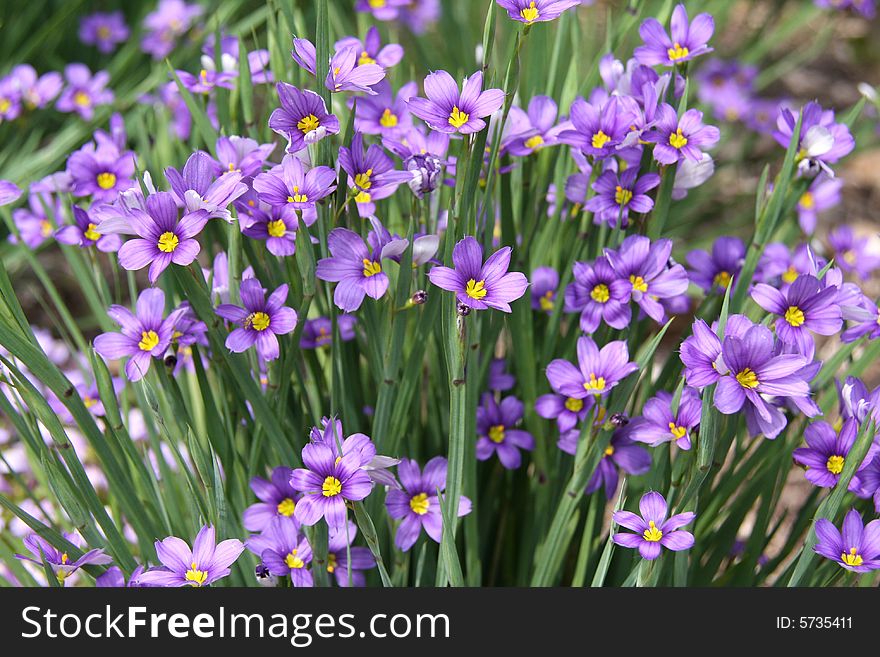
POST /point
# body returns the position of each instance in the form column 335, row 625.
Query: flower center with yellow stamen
column 365, row 58
column 457, row 118
column 677, row 140
column 419, row 504
column 388, row 119
column 90, row 233
column 286, row 507
column 853, row 558
column 595, row 385
column 622, row 196
column 794, row 316
column 276, row 228
column 600, row 293
column 652, row 534
column 371, row 268
column 362, row 197
column 835, row 464
column 308, row 123
column 534, row 143
column 600, row 139
column 677, row 52
column 331, row 562
column 574, row 405
column 747, row 379
column 362, row 180
column 5, row 104
column 849, row 257
column 475, row 289
column 203, row 74
column 195, row 576
column 546, row 301
column 807, row 202
column 297, row 197
column 377, row 4
column 45, row 228
column 88, row 402
column 168, row 241
column 638, row 283
column 104, row 32
column 259, row 321
column 82, row 99
column 722, row 279
column 677, row 430
column 496, row 433
column 529, row 14
column 790, row 275
column 294, row 562
column 149, row 340
column 609, row 451
column 331, row 487
column 106, row 180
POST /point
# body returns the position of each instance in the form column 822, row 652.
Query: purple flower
column 289, row 187
column 497, row 432
column 330, row 434
column 617, row 194
column 866, row 314
column 83, row 92
column 33, row 223
column 714, row 271
column 676, row 139
column 598, row 293
column 499, row 378
column 318, row 332
column 327, row 482
column 417, row 505
column 865, row 8
column 856, row 548
column 35, row 92
column 277, row 499
column 447, row 110
column 371, row 175
column 599, row 129
column 530, row 131
column 621, row 454
column 356, row 269
column 10, row 98
column 684, row 42
column 58, row 561
column 114, row 578
column 83, row 233
column 347, row 70
column 103, row 30
column 261, row 319
column 567, row 411
column 101, row 172
column 824, row 193
column 240, row 154
column 207, row 562
column 866, row 482
column 477, row 285
column 536, row 11
column 597, row 371
column 659, row 425
column 384, row 113
column 206, row 81
column 163, row 238
column 164, row 26
column 276, row 225
column 283, row 551
column 371, row 50
column 9, row 192
column 302, row 118
column 544, row 281
column 822, row 141
column 852, row 254
column 805, row 307
column 652, row 528
column 690, row 174
column 196, row 188
column 144, row 336
column 345, row 562
column 826, row 451
column 647, row 268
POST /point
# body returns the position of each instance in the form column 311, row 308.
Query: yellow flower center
column 276, row 228
column 534, row 143
column 362, row 180
column 82, row 99
column 835, row 464
column 530, row 13
column 600, row 139
column 419, row 503
column 546, row 301
column 652, row 534
column 308, row 123
column 574, row 405
column 638, row 283
column 677, row 53
column 371, row 268
column 377, row 4
column 595, row 385
column 475, row 289
column 195, row 576
column 794, row 316
column 106, row 180
column 259, row 321
column 286, row 507
column 331, row 487
column 677, row 430
column 807, row 201
column 747, row 379
column 297, row 197
column 149, row 340
column 103, row 32
column 622, row 196
column 388, row 120
column 722, row 279
column 790, row 275
column 853, row 558
column 331, row 562
column 609, row 451
column 292, row 561
column 88, row 402
column 45, row 228
column 677, row 140
column 365, row 58
column 496, row 433
column 600, row 293
column 457, row 118
column 91, row 234
column 168, row 241
column 362, row 197
column 5, row 104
